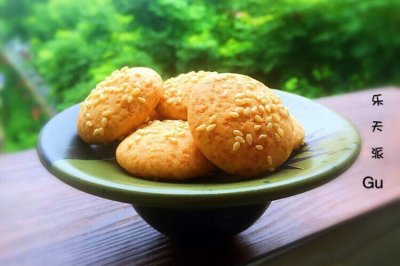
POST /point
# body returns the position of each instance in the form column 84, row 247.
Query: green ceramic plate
column 332, row 145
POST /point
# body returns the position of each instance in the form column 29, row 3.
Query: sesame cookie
column 298, row 133
column 240, row 124
column 118, row 104
column 173, row 102
column 154, row 116
column 163, row 150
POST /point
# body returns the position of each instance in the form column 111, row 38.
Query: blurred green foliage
column 20, row 115
column 309, row 47
column 312, row 48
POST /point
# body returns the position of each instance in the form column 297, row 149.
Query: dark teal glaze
column 204, row 204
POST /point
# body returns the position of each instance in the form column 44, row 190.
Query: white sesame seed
column 141, row 100
column 264, row 101
column 240, row 102
column 129, row 99
column 234, row 114
column 269, row 126
column 236, row 146
column 210, row 127
column 88, row 123
column 238, row 109
column 181, row 134
column 268, row 108
column 237, row 133
column 240, row 95
column 88, row 116
column 258, row 118
column 257, row 127
column 106, row 113
column 201, row 127
column 96, row 132
column 276, row 118
column 259, row 147
column 248, row 100
column 261, row 108
column 262, row 136
column 173, row 140
column 101, row 131
column 254, row 109
column 250, row 87
column 167, row 134
column 277, row 137
column 247, row 111
column 104, row 121
column 218, row 78
column 269, row 160
column 249, row 139
column 280, row 132
column 124, row 85
column 276, row 126
column 273, row 107
column 239, row 139
column 170, row 100
column 136, row 92
column 212, row 118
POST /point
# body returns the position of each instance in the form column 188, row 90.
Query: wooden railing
column 46, row 222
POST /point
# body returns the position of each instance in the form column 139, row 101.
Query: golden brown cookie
column 118, row 104
column 154, row 116
column 173, row 102
column 163, row 150
column 298, row 133
column 239, row 124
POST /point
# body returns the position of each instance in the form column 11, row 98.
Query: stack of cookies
column 190, row 125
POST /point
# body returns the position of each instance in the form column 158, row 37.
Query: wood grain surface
column 45, row 222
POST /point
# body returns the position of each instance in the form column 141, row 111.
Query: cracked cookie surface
column 163, row 150
column 173, row 102
column 239, row 124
